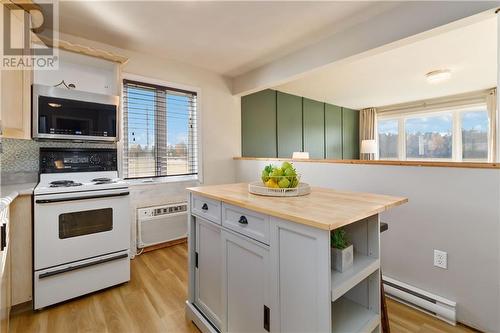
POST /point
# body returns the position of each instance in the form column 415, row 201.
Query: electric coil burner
column 64, row 183
column 103, row 180
column 81, row 232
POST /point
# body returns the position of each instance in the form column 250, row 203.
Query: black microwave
column 73, row 115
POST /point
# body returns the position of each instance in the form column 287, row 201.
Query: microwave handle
column 43, row 201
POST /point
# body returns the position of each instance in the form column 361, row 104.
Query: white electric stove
column 81, row 225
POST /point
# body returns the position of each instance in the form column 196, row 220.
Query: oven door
column 74, row 226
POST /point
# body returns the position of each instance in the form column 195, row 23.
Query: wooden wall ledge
column 470, row 165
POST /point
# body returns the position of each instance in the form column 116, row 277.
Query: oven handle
column 82, row 198
column 72, row 268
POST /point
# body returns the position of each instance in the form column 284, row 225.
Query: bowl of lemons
column 279, row 181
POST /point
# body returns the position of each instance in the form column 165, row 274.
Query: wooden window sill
column 470, row 165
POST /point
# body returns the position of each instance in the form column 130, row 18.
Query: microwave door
column 86, row 117
column 74, row 125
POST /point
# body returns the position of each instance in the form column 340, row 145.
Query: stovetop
column 70, row 182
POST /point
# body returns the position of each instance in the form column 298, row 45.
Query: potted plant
column 342, row 252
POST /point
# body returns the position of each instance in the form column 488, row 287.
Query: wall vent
column 160, row 224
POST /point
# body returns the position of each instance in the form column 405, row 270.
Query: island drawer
column 207, row 208
column 246, row 222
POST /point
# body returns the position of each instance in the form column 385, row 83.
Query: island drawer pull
column 205, row 206
column 243, row 220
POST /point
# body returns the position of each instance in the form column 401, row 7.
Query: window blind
column 160, row 131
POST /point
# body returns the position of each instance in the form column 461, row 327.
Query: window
column 388, row 139
column 429, row 137
column 457, row 134
column 474, row 134
column 160, row 137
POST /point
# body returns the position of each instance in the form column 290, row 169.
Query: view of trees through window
column 434, row 136
column 429, row 137
column 160, row 128
column 388, row 139
column 474, row 135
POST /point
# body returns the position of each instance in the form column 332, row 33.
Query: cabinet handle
column 3, row 236
column 267, row 318
column 243, row 220
column 204, row 207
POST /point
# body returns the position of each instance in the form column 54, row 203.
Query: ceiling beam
column 401, row 24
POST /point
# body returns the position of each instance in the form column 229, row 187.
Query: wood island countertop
column 323, row 208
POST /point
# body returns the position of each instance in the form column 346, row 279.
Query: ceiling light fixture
column 438, row 76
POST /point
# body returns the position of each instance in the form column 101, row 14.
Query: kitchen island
column 262, row 264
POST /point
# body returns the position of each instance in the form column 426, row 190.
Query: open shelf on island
column 351, row 317
column 363, row 266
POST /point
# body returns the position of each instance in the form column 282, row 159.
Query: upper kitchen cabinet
column 258, row 124
column 289, row 113
column 333, row 132
column 87, row 73
column 350, row 134
column 314, row 128
column 15, row 99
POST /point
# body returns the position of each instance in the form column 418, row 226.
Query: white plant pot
column 342, row 260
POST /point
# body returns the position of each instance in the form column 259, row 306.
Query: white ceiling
column 229, row 38
column 398, row 75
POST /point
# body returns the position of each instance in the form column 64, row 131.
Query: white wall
column 456, row 210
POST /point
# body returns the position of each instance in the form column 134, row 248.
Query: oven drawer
column 207, row 208
column 64, row 282
column 246, row 222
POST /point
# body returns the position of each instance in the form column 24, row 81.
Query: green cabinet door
column 350, row 134
column 333, row 132
column 289, row 110
column 314, row 128
column 258, row 124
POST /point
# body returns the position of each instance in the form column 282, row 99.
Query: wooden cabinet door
column 258, row 124
column 5, row 290
column 333, row 131
column 314, row 128
column 289, row 115
column 15, row 107
column 208, row 279
column 350, row 134
column 246, row 285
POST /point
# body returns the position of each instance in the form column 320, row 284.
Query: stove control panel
column 53, row 160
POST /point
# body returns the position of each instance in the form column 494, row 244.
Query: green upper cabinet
column 289, row 109
column 350, row 134
column 258, row 124
column 314, row 128
column 333, row 132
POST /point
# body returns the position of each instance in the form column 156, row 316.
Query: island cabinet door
column 245, row 285
column 208, row 271
column 300, row 275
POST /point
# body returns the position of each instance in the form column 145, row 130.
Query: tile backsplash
column 23, row 155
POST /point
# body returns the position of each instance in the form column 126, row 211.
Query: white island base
column 250, row 271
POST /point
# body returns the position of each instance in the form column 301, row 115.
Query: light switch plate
column 440, row 259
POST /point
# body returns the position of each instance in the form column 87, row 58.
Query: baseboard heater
column 422, row 300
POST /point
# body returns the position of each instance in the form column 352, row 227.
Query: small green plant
column 339, row 239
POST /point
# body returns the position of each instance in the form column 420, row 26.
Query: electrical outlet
column 440, row 259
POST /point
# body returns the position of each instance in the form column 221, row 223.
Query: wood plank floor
column 153, row 301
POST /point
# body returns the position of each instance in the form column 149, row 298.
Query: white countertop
column 9, row 192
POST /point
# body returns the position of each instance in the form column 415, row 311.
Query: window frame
column 121, row 143
column 456, row 145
